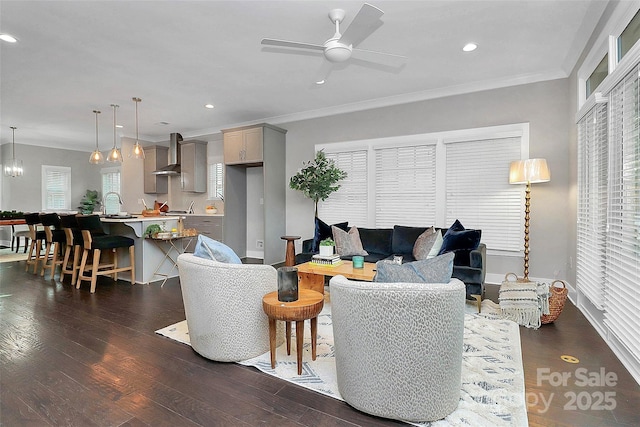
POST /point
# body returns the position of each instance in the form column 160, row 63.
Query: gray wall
column 545, row 106
column 25, row 193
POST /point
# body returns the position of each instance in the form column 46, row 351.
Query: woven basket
column 556, row 302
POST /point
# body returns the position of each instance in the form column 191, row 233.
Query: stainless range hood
column 173, row 168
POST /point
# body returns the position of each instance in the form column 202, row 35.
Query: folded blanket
column 519, row 302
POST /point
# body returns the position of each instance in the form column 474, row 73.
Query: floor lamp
column 530, row 171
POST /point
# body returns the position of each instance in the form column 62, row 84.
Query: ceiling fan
column 340, row 48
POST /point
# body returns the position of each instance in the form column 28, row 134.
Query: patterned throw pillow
column 348, row 243
column 424, row 243
column 435, row 270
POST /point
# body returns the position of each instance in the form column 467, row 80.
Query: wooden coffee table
column 308, row 306
column 311, row 276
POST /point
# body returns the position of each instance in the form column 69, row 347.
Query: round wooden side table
column 308, row 306
column 290, row 257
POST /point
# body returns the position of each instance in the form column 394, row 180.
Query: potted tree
column 318, row 178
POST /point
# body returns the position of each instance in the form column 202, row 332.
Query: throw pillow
column 348, row 243
column 435, row 249
column 461, row 241
column 424, row 243
column 211, row 249
column 435, row 270
column 404, row 238
column 323, row 231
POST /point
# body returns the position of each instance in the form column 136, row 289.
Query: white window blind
column 56, row 188
column 111, row 183
column 592, row 204
column 405, row 182
column 216, row 183
column 622, row 289
column 478, row 192
column 349, row 203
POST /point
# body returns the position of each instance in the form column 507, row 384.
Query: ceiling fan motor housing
column 335, row 51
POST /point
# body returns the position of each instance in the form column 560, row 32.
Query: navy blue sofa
column 384, row 243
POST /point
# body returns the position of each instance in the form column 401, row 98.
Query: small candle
column 358, row 261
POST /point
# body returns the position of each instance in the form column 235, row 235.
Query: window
column 405, row 186
column 352, row 195
column 592, row 204
column 629, row 36
column 56, row 188
column 478, row 193
column 597, row 76
column 433, row 179
column 216, row 181
column 110, row 183
column 623, row 215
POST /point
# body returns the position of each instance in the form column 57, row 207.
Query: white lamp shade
column 529, row 171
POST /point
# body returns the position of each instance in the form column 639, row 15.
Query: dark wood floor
column 68, row 357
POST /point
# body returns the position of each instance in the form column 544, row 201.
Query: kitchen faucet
column 104, row 199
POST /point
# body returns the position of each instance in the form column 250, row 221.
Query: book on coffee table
column 329, row 260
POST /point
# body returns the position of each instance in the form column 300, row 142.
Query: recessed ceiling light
column 208, row 106
column 8, row 38
column 320, row 82
column 119, row 126
column 469, row 47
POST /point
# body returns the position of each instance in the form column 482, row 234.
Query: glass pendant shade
column 96, row 157
column 114, row 155
column 137, row 152
column 14, row 167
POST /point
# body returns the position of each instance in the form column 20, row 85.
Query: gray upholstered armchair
column 223, row 306
column 398, row 346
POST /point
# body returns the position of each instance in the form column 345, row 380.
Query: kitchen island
column 152, row 262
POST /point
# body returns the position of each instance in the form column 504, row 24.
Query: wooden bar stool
column 55, row 238
column 37, row 237
column 16, row 235
column 94, row 243
column 73, row 247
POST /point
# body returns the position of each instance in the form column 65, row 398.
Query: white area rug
column 492, row 391
column 7, row 255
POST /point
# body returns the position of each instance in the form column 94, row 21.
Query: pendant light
column 137, row 152
column 96, row 157
column 114, row 155
column 14, row 167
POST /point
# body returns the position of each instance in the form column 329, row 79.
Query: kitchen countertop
column 140, row 218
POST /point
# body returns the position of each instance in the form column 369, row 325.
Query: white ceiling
column 76, row 56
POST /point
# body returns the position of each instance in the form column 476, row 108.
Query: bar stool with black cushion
column 37, row 237
column 95, row 244
column 17, row 235
column 55, row 241
column 73, row 247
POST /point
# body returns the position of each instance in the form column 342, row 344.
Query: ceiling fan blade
column 323, row 73
column 287, row 43
column 389, row 59
column 366, row 22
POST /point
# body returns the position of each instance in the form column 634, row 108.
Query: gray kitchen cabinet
column 243, row 146
column 193, row 164
column 155, row 157
column 250, row 151
column 209, row 225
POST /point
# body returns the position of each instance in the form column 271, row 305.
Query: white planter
column 326, row 250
